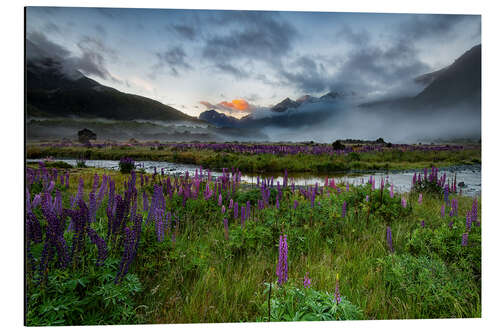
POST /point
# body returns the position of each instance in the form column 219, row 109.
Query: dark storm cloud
column 308, row 75
column 423, row 26
column 186, row 31
column 174, row 58
column 38, row 46
column 348, row 34
column 369, row 66
column 51, row 27
column 91, row 61
column 252, row 36
column 232, row 70
column 100, row 29
column 376, row 68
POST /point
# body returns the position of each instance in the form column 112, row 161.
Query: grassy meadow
column 262, row 158
column 158, row 250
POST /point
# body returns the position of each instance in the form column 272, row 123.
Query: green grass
column 204, row 278
column 385, row 160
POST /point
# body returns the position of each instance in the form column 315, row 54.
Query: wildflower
column 282, row 267
column 422, row 224
column 389, row 238
column 474, row 212
column 465, row 239
column 307, row 281
column 295, row 204
column 223, row 209
column 420, row 198
column 468, row 220
column 338, row 299
column 442, row 211
column 446, row 194
column 403, row 202
column 367, row 198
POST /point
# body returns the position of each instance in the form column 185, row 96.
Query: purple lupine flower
column 223, row 209
column 307, row 281
column 242, row 216
column 230, row 204
column 102, row 251
column 282, row 267
column 389, row 238
column 344, row 206
column 51, row 186
column 92, row 207
column 277, row 203
column 474, row 212
column 450, row 225
column 338, row 299
column 465, row 239
column 422, row 224
column 468, row 220
column 420, row 198
column 454, row 207
column 295, row 204
column 219, row 202
column 443, row 207
column 367, row 199
column 37, row 199
column 403, row 202
column 129, row 251
column 159, row 225
column 446, row 194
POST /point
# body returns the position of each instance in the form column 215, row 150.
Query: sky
column 242, row 62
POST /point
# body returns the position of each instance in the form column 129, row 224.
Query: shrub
column 126, row 165
column 88, row 298
column 445, row 243
column 289, row 303
column 428, row 288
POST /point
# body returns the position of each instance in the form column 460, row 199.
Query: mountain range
column 55, row 90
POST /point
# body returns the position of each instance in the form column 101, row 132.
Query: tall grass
column 203, row 277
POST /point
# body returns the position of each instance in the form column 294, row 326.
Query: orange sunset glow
column 238, row 104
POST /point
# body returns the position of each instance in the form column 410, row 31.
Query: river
column 469, row 175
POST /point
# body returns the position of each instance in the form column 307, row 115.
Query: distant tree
column 337, row 145
column 380, row 140
column 85, row 135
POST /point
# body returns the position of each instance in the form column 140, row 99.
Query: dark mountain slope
column 56, row 91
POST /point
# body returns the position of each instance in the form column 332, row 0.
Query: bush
column 126, row 165
column 80, row 163
column 337, row 145
column 88, row 298
column 289, row 303
column 446, row 244
column 429, row 287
